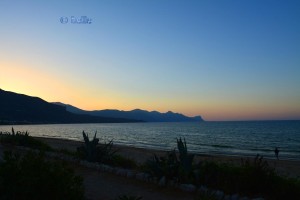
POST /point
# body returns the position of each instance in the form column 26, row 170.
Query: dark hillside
column 22, row 109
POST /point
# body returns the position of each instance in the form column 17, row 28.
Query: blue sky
column 224, row 60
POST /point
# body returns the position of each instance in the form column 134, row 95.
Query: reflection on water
column 241, row 138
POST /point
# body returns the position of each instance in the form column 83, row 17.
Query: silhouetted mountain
column 22, row 109
column 136, row 114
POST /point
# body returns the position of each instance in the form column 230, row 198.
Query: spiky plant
column 186, row 159
column 91, row 146
column 95, row 152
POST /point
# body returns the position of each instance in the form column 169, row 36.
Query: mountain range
column 23, row 109
column 136, row 114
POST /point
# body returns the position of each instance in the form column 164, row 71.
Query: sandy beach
column 140, row 155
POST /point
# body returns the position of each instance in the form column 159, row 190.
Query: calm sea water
column 229, row 138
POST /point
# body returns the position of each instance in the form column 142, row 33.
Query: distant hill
column 136, row 114
column 22, row 109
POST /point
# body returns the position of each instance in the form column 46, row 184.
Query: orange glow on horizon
column 53, row 87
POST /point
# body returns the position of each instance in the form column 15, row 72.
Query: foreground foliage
column 22, row 139
column 253, row 177
column 171, row 166
column 92, row 151
column 121, row 161
column 32, row 177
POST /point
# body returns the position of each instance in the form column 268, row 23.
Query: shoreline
column 288, row 168
column 266, row 157
column 258, row 138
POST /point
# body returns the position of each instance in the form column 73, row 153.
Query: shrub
column 180, row 169
column 22, row 139
column 218, row 176
column 186, row 159
column 120, row 161
column 32, row 177
column 259, row 178
column 254, row 177
column 185, row 162
column 94, row 152
column 167, row 166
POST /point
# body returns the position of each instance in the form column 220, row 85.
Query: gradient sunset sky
column 221, row 59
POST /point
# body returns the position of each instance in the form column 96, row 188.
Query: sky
column 221, row 59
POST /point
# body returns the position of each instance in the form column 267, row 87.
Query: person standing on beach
column 276, row 151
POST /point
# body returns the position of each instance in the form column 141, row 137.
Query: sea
column 241, row 138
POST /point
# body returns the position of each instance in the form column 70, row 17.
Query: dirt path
column 105, row 186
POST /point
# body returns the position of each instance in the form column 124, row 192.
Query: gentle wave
column 220, row 138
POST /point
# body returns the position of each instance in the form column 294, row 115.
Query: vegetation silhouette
column 31, row 176
column 22, row 109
